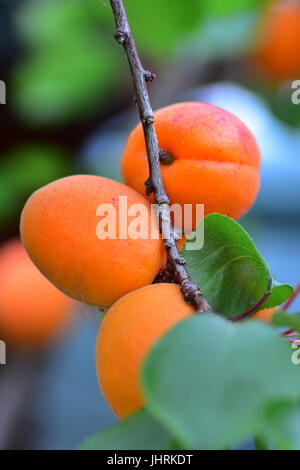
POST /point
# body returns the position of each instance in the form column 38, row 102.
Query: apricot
column 264, row 315
column 277, row 49
column 128, row 330
column 32, row 310
column 59, row 231
column 215, row 159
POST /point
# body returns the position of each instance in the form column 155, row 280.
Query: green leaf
column 230, row 271
column 208, row 380
column 282, row 318
column 281, row 425
column 279, row 293
column 138, row 432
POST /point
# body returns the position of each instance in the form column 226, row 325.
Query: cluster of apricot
column 215, row 162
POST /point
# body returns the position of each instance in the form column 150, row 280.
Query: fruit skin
column 264, row 315
column 127, row 332
column 277, row 49
column 216, row 158
column 32, row 310
column 58, row 229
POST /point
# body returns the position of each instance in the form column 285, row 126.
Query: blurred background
column 69, row 109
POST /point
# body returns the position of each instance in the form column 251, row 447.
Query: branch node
column 165, row 157
column 121, row 36
column 148, row 120
column 149, row 76
column 149, row 186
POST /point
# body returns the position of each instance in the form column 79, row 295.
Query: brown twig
column 154, row 184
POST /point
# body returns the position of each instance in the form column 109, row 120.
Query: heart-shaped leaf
column 208, row 380
column 229, row 270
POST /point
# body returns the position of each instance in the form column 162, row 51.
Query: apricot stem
column 165, row 157
column 154, row 183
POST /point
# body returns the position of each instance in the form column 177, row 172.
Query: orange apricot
column 215, row 158
column 32, row 310
column 264, row 315
column 59, row 227
column 277, row 49
column 128, row 330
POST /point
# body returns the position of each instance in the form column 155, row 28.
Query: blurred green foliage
column 225, row 37
column 232, row 374
column 72, row 63
column 24, row 170
column 230, row 7
column 65, row 82
column 158, row 26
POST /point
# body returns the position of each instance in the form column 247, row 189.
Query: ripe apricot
column 216, row 158
column 264, row 315
column 32, row 310
column 58, row 228
column 127, row 332
column 278, row 42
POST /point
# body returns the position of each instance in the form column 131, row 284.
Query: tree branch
column 154, row 184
